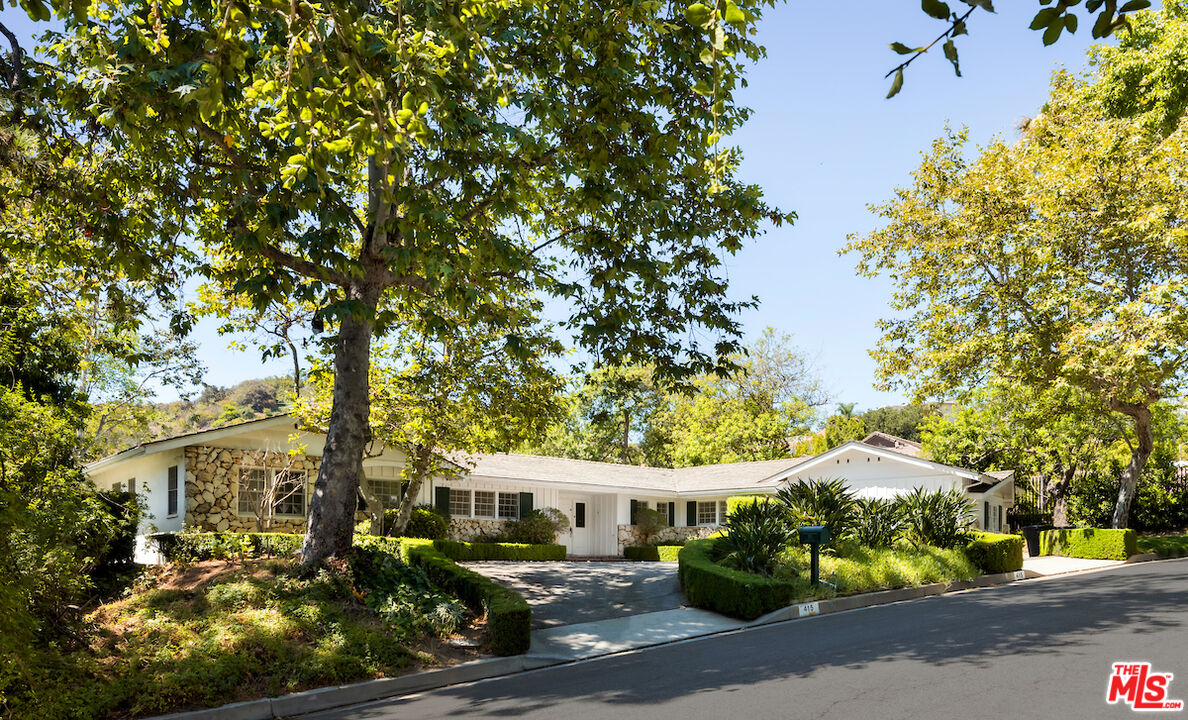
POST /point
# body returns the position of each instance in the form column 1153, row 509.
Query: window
column 579, row 515
column 707, row 513
column 171, row 491
column 288, row 491
column 117, row 487
column 484, row 503
column 459, row 502
column 509, row 506
column 251, row 489
column 386, row 491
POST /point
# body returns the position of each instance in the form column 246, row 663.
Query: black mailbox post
column 815, row 535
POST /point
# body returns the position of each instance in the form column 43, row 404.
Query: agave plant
column 940, row 518
column 877, row 522
column 754, row 536
column 826, row 502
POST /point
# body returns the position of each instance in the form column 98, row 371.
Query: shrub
column 1165, row 546
column 402, row 594
column 649, row 522
column 1089, row 543
column 655, row 553
column 425, row 522
column 538, row 527
column 733, row 503
column 723, row 590
column 192, row 547
column 463, row 551
column 877, row 522
column 938, row 518
column 755, row 535
column 995, row 552
column 820, row 502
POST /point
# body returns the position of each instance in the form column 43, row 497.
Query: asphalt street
column 1035, row 649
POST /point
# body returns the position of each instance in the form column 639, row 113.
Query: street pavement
column 1035, row 649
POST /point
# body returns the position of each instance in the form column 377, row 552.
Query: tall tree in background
column 346, row 153
column 1057, row 260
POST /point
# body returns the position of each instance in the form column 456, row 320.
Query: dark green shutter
column 441, row 500
column 525, row 504
column 691, row 513
column 671, row 514
column 634, row 512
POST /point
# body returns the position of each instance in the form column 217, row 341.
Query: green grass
column 257, row 631
column 1165, row 546
column 858, row 569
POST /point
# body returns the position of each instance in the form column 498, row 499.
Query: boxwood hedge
column 1094, row 543
column 729, row 592
column 463, row 551
column 661, row 553
column 995, row 552
column 194, row 547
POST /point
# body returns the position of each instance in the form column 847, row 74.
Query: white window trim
column 719, row 514
column 498, row 493
column 270, row 474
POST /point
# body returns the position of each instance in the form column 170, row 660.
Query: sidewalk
column 1047, row 565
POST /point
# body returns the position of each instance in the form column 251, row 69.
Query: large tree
column 1059, row 259
column 365, row 156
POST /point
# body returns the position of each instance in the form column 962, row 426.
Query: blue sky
column 825, row 143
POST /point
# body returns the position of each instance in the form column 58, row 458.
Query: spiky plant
column 940, row 518
column 826, row 502
column 755, row 535
column 877, row 522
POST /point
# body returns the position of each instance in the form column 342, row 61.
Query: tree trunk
column 331, row 524
column 420, row 470
column 1059, row 494
column 626, row 436
column 1144, row 445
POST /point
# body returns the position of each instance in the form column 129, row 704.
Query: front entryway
column 579, row 509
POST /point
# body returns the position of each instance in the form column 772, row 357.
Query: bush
column 729, row 592
column 649, row 522
column 734, row 502
column 821, row 502
column 655, row 553
column 538, row 527
column 1165, row 546
column 193, row 547
column 1093, row 543
column 463, row 551
column 754, row 536
column 939, row 518
column 995, row 552
column 425, row 522
column 877, row 522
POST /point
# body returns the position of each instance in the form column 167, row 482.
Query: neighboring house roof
column 893, row 442
column 540, row 468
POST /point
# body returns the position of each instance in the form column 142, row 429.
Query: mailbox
column 814, row 534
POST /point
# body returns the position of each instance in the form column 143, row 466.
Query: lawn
column 1165, row 546
column 218, row 632
column 855, row 568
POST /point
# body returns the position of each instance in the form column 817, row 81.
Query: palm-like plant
column 826, row 502
column 877, row 522
column 939, row 518
column 755, row 535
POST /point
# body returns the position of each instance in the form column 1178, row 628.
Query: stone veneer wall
column 472, row 529
column 212, row 487
column 630, row 535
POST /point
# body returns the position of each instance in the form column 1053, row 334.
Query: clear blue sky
column 824, row 142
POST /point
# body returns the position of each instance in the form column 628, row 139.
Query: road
column 1036, row 649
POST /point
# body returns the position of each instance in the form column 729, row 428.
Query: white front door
column 580, row 511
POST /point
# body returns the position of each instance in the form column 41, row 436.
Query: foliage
column 1089, row 543
column 1165, row 546
column 403, row 596
column 654, row 553
column 825, row 501
column 521, row 552
column 539, row 527
column 754, row 535
column 862, row 569
column 939, row 518
column 425, row 522
column 648, row 522
column 735, row 593
column 839, row 428
column 902, row 421
column 877, row 522
column 189, row 547
column 736, row 501
column 995, row 552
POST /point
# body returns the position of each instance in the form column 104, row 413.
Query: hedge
column 1165, row 546
column 192, row 547
column 463, row 551
column 995, row 552
column 1094, row 543
column 661, row 553
column 736, row 500
column 729, row 592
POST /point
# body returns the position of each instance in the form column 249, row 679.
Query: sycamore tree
column 1059, row 260
column 371, row 157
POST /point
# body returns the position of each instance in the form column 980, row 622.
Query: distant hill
column 116, row 428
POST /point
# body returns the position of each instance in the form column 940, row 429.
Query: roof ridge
column 574, row 460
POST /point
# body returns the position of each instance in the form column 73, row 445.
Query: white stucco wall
column 870, row 475
column 150, row 474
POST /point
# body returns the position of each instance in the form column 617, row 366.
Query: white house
column 227, row 478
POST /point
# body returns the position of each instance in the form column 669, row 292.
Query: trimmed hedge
column 463, row 551
column 729, row 592
column 657, row 553
column 1165, row 546
column 734, row 501
column 995, row 552
column 1096, row 543
column 193, row 547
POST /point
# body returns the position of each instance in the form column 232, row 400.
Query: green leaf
column 904, row 49
column 1052, row 34
column 36, row 10
column 698, row 14
column 951, row 56
column 734, row 15
column 1070, row 23
column 1044, row 18
column 1135, row 5
column 936, row 9
column 703, row 88
column 1104, row 24
column 896, row 84
column 984, row 4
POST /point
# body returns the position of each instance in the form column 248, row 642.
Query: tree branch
column 304, row 268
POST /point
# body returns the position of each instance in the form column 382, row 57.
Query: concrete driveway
column 564, row 593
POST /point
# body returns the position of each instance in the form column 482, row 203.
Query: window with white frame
column 251, row 489
column 484, row 503
column 290, row 493
column 707, row 513
column 386, row 491
column 286, row 488
column 459, row 503
column 509, row 506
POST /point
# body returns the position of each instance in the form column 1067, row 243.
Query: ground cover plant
column 1165, row 546
column 222, row 631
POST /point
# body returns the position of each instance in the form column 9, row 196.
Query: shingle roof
column 539, row 468
column 893, row 442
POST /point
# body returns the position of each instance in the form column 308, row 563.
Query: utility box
column 814, row 534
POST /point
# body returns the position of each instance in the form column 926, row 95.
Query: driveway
column 564, row 593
